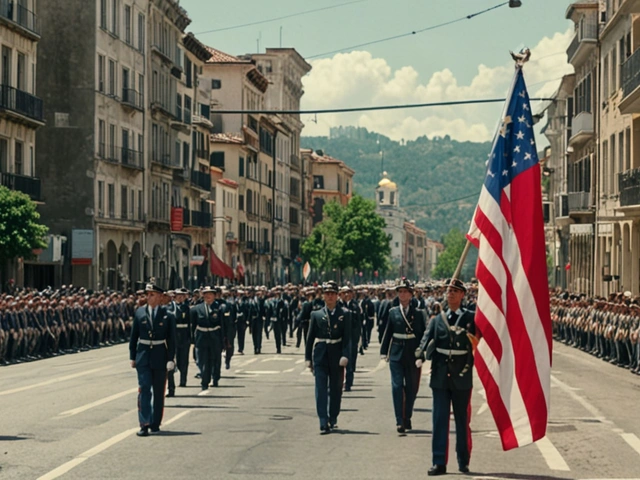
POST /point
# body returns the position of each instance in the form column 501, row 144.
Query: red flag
column 513, row 358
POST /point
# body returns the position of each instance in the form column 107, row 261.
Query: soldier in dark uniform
column 242, row 318
column 256, row 319
column 351, row 304
column 327, row 354
column 277, row 312
column 152, row 349
column 180, row 309
column 302, row 321
column 451, row 377
column 405, row 328
column 207, row 326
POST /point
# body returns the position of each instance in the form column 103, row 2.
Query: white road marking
column 277, row 359
column 300, row 361
column 306, row 372
column 592, row 409
column 66, row 467
column 238, row 371
column 381, row 365
column 97, row 403
column 552, row 455
column 244, row 364
column 53, row 380
column 632, row 440
column 263, row 372
column 289, row 370
column 203, row 393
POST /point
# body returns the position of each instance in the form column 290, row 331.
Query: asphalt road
column 75, row 417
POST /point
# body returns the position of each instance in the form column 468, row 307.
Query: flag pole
column 520, row 59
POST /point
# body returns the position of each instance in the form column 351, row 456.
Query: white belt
column 151, row 342
column 329, row 341
column 404, row 336
column 451, row 352
column 182, row 325
column 204, row 329
column 240, row 315
column 274, row 319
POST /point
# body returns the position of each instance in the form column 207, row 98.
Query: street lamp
column 515, row 3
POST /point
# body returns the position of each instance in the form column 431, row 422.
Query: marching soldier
column 327, row 354
column 183, row 338
column 207, row 327
column 404, row 327
column 353, row 306
column 152, row 350
column 302, row 321
column 277, row 312
column 450, row 350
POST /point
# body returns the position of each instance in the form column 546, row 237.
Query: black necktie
column 453, row 317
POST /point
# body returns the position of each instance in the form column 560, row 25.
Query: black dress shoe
column 144, row 432
column 401, row 430
column 155, row 429
column 215, row 383
column 407, row 425
column 325, row 430
column 182, row 385
column 463, row 468
column 171, row 394
column 437, row 470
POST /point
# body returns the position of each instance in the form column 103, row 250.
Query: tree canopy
column 349, row 237
column 20, row 232
column 454, row 243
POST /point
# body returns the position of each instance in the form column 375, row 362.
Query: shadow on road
column 421, row 409
column 201, row 406
column 11, row 438
column 165, row 433
column 517, row 476
column 352, row 432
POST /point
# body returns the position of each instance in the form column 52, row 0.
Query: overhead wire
column 408, row 34
column 297, row 14
column 445, row 202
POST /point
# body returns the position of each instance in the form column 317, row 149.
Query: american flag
column 513, row 357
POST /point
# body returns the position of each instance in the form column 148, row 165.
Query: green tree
column 20, row 231
column 365, row 243
column 454, row 243
column 323, row 247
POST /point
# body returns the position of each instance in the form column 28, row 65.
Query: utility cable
column 445, row 202
column 368, row 109
column 297, row 14
column 408, row 34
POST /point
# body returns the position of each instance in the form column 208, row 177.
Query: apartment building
column 21, row 111
column 414, row 264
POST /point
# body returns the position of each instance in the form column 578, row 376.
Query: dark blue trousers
column 151, row 385
column 329, row 380
column 405, row 379
column 210, row 358
column 443, row 399
column 351, row 366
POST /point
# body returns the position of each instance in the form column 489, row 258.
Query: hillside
column 430, row 173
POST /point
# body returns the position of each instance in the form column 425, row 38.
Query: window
column 124, row 194
column 605, row 77
column 293, row 216
column 216, row 84
column 114, row 17
column 627, row 158
column 241, row 202
column 100, row 198
column 6, row 66
column 111, row 199
column 614, row 69
column 21, row 73
column 101, row 138
column 140, row 204
column 141, row 88
column 141, row 26
column 318, row 182
column 19, row 158
column 605, row 172
column 621, row 157
column 125, row 86
column 112, row 78
column 241, row 167
column 188, row 70
column 103, row 14
column 112, row 142
column 101, row 66
column 127, row 24
column 132, row 205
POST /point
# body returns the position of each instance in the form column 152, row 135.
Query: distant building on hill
column 356, row 133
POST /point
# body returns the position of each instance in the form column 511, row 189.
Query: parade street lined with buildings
column 76, row 417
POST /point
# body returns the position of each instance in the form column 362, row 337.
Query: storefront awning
column 219, row 268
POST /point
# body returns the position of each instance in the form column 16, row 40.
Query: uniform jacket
column 183, row 330
column 214, row 319
column 329, row 325
column 163, row 329
column 398, row 349
column 441, row 377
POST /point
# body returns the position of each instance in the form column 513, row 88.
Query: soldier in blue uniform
column 405, row 327
column 180, row 309
column 327, row 354
column 207, row 327
column 277, row 312
column 450, row 350
column 152, row 349
column 351, row 304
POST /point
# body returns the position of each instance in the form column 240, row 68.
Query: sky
column 466, row 59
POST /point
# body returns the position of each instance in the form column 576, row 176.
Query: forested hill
column 431, row 174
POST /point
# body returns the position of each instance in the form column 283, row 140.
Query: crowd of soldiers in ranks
column 41, row 324
column 608, row 328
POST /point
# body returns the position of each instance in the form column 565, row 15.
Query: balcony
column 132, row 99
column 163, row 53
column 166, row 160
column 250, row 246
column 19, row 17
column 295, row 163
column 201, row 180
column 202, row 121
column 21, row 106
column 264, row 248
column 561, row 206
column 629, row 188
column 202, row 154
column 583, row 43
column 579, row 202
column 200, row 219
column 581, row 128
column 631, row 84
column 22, row 183
column 122, row 156
column 625, row 8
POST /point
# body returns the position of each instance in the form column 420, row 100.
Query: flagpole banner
column 306, row 270
column 513, row 358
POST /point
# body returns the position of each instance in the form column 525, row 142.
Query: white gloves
column 344, row 361
column 170, row 366
column 308, row 364
column 384, row 357
column 418, row 363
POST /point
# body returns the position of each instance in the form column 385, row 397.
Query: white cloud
column 357, row 79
